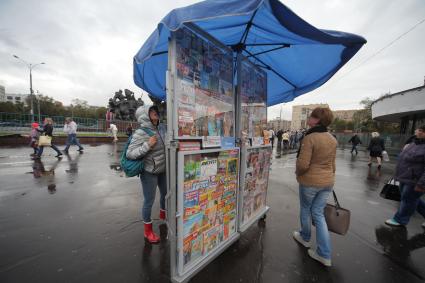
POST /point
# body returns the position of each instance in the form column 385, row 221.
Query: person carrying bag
column 315, row 171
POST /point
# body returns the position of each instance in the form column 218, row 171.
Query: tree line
column 363, row 122
column 52, row 107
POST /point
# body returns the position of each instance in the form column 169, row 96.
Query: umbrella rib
column 159, row 53
column 248, row 27
column 268, row 44
column 270, row 68
column 270, row 50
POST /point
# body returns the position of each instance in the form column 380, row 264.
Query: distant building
column 406, row 107
column 2, row 93
column 16, row 97
column 346, row 115
column 300, row 114
column 278, row 124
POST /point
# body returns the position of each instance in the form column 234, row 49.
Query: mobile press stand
column 213, row 194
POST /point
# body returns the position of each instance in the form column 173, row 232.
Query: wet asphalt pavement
column 77, row 220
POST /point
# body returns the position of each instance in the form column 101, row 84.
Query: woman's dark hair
column 324, row 115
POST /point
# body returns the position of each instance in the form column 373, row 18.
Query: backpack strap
column 148, row 131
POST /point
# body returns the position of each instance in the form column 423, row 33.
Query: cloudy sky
column 88, row 48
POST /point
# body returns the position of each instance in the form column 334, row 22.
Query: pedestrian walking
column 129, row 131
column 376, row 147
column 355, row 141
column 48, row 131
column 272, row 135
column 34, row 135
column 291, row 140
column 285, row 140
column 114, row 130
column 148, row 143
column 279, row 140
column 70, row 128
column 410, row 172
column 315, row 171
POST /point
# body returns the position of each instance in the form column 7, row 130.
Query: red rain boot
column 150, row 235
column 162, row 214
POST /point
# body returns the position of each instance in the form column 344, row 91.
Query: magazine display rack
column 255, row 152
column 207, row 156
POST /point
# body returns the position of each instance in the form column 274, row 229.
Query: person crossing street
column 70, row 128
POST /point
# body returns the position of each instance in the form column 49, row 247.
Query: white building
column 16, row 97
column 300, row 114
column 406, row 107
column 2, row 93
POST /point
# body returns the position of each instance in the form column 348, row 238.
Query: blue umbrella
column 296, row 56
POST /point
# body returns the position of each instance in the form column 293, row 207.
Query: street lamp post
column 30, row 67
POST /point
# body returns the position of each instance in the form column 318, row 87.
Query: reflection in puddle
column 47, row 177
column 398, row 246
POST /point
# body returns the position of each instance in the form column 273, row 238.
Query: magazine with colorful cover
column 209, row 201
column 204, row 80
column 253, row 95
column 255, row 181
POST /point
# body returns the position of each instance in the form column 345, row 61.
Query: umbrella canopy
column 296, row 56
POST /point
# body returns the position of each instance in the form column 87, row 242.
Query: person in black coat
column 410, row 172
column 376, row 147
column 48, row 131
column 355, row 141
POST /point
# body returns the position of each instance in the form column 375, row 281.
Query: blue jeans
column 354, row 148
column 312, row 205
column 149, row 183
column 41, row 148
column 410, row 201
column 72, row 139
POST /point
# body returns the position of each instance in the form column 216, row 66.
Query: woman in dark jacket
column 410, row 173
column 48, row 131
column 376, row 147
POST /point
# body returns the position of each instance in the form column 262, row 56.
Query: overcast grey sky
column 88, row 46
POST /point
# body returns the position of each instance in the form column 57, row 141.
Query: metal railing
column 393, row 142
column 21, row 123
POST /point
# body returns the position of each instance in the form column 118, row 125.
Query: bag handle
column 336, row 200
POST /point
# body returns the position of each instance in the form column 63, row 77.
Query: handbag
column 45, row 141
column 385, row 156
column 337, row 218
column 391, row 190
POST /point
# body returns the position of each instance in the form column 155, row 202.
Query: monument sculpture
column 124, row 106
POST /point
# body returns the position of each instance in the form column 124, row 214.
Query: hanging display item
column 255, row 182
column 203, row 89
column 208, row 187
column 253, row 99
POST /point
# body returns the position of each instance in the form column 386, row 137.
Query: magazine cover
column 253, row 95
column 210, row 187
column 204, row 87
column 256, row 181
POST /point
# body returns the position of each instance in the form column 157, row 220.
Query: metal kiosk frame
column 174, row 178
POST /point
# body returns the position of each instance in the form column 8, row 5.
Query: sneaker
column 59, row 155
column 326, row 262
column 299, row 239
column 392, row 222
column 80, row 149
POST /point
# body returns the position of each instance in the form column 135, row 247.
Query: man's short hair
column 324, row 115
